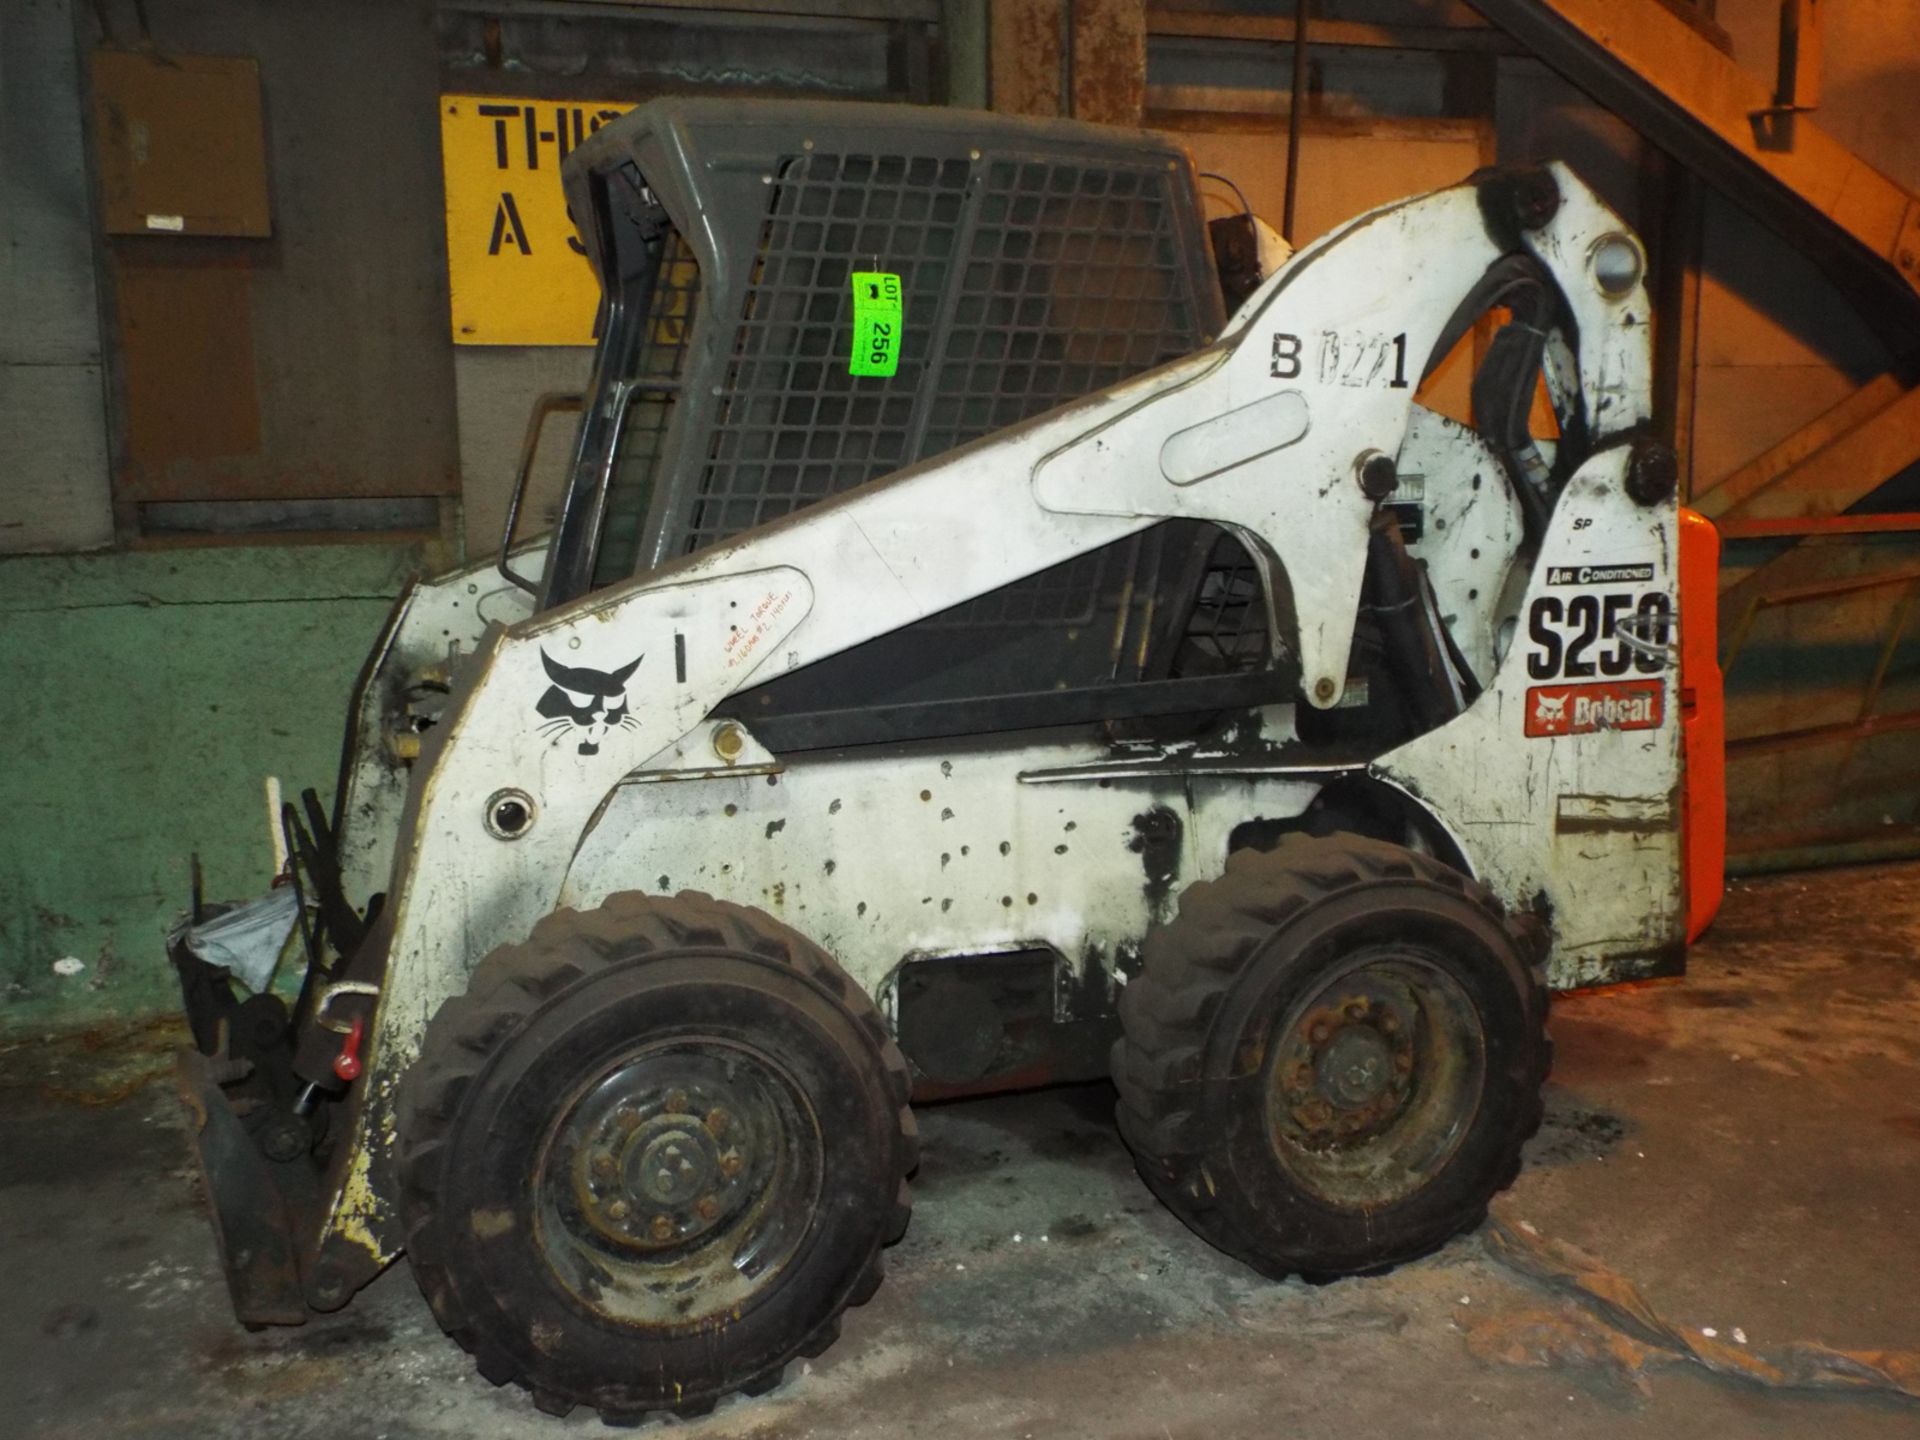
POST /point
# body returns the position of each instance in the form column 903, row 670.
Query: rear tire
column 1333, row 1056
column 651, row 1155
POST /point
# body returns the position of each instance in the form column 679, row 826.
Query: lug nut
column 627, row 1118
column 662, row 1228
column 717, row 1122
column 708, row 1207
column 676, row 1101
column 603, row 1164
column 730, row 1164
column 618, row 1210
column 1320, row 1031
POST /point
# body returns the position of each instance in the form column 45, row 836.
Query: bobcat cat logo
column 589, row 701
column 1549, row 709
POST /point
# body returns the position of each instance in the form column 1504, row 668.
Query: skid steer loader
column 966, row 658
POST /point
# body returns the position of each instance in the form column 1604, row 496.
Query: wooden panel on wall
column 186, row 362
column 312, row 364
column 181, row 144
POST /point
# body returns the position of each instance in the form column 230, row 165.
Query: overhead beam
column 1892, row 522
column 1726, row 495
column 1844, row 471
column 1165, row 21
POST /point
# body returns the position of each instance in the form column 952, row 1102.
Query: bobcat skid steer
column 965, row 658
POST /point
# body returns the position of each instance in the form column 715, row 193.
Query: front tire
column 1333, row 1056
column 651, row 1155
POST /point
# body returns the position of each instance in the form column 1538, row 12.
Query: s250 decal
column 1578, row 637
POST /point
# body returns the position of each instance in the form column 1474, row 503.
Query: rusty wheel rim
column 678, row 1183
column 1375, row 1077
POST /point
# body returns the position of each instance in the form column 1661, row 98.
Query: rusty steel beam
column 1746, row 747
column 1026, row 55
column 1798, row 527
column 1670, row 82
column 1829, row 465
column 1729, row 492
column 1165, row 21
column 1109, row 59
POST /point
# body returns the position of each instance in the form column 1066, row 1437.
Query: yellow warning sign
column 515, row 268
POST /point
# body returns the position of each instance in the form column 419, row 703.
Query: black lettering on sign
column 500, row 114
column 1583, row 617
column 1543, row 660
column 507, row 225
column 571, row 125
column 1286, row 357
column 1612, row 633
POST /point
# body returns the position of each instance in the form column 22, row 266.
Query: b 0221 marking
column 1354, row 360
column 1577, row 637
column 1603, row 705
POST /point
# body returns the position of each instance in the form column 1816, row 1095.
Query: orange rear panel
column 1703, row 727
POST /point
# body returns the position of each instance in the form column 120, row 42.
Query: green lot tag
column 878, row 320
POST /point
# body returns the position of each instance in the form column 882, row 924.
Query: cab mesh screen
column 671, row 311
column 1027, row 283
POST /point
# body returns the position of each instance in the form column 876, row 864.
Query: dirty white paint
column 433, row 624
column 935, row 850
column 1588, row 821
column 591, row 724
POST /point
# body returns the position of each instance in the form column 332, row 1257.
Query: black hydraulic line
column 1395, row 588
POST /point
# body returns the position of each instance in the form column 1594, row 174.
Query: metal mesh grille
column 795, row 426
column 1227, row 630
column 1072, row 282
column 661, row 363
column 1069, row 280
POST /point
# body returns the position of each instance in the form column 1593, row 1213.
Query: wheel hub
column 663, row 1161
column 1346, row 1071
column 1355, row 1067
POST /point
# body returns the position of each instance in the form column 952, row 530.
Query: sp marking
column 1582, row 709
column 585, row 703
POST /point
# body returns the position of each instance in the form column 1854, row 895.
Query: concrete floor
column 1745, row 1145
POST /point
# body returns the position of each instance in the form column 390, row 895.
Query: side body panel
column 1562, row 781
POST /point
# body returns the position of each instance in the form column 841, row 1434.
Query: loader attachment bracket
column 256, row 1221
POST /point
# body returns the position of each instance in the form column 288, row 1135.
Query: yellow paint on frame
column 515, row 269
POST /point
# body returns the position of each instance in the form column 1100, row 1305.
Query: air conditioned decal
column 1599, row 574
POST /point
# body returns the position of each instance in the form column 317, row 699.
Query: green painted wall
column 143, row 699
